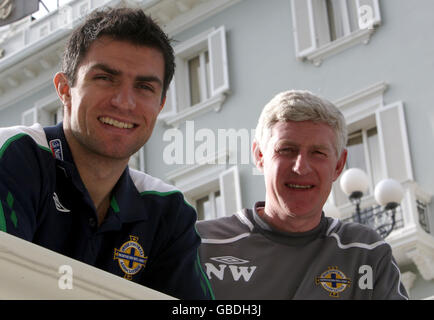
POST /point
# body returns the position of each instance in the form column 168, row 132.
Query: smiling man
column 285, row 248
column 68, row 187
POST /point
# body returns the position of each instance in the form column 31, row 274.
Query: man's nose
column 301, row 165
column 124, row 97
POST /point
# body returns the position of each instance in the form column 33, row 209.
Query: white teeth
column 115, row 123
column 297, row 186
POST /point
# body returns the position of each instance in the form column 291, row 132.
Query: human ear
column 62, row 88
column 163, row 102
column 258, row 155
column 340, row 164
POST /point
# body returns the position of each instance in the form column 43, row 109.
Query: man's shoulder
column 354, row 235
column 35, row 134
column 224, row 229
column 149, row 185
column 145, row 182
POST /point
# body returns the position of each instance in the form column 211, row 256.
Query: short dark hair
column 124, row 24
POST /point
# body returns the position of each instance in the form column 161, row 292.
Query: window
column 201, row 80
column 47, row 111
column 212, row 189
column 342, row 18
column 198, row 78
column 209, row 206
column 363, row 153
column 325, row 27
column 222, row 196
column 377, row 142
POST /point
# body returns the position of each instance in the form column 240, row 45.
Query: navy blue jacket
column 148, row 235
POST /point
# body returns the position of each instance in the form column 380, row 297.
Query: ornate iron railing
column 381, row 219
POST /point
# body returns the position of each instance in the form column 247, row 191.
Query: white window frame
column 365, row 125
column 367, row 155
column 320, row 45
column 177, row 108
column 363, row 110
column 203, row 79
column 212, row 200
column 199, row 180
column 42, row 111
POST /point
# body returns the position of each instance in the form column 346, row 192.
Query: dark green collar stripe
column 10, row 200
column 114, row 205
column 14, row 138
column 204, row 282
column 9, row 141
column 164, row 194
column 2, row 219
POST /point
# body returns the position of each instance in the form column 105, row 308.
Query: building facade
column 372, row 58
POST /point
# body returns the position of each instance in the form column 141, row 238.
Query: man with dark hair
column 68, row 188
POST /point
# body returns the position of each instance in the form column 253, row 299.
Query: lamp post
column 388, row 193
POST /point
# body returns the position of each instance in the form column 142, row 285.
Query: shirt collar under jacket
column 290, row 238
column 126, row 203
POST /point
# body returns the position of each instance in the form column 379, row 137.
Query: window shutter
column 303, row 26
column 320, row 23
column 368, row 13
column 218, row 61
column 170, row 105
column 29, row 117
column 392, row 133
column 230, row 191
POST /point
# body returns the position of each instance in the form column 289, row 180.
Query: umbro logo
column 59, row 206
column 229, row 260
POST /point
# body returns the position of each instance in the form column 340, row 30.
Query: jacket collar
column 127, row 200
column 126, row 203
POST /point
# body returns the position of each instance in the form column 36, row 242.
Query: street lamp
column 388, row 193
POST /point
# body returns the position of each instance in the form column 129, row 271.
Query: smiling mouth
column 116, row 123
column 299, row 186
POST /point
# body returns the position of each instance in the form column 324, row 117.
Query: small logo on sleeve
column 56, row 148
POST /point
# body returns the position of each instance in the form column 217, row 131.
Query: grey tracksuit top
column 245, row 258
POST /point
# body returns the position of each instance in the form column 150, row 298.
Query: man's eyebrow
column 105, row 68
column 321, row 147
column 115, row 72
column 287, row 142
column 149, row 79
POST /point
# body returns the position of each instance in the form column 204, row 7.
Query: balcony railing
column 380, row 219
column 29, row 271
column 411, row 239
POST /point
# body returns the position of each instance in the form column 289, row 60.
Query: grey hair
column 301, row 105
